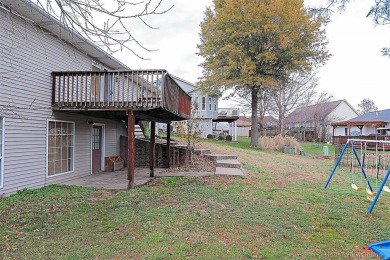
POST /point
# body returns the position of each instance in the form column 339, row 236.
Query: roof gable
column 185, row 85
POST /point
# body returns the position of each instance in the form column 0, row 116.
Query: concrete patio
column 118, row 180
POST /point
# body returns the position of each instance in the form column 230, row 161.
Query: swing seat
column 386, row 188
column 355, row 187
column 370, row 195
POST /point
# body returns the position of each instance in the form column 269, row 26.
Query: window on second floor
column 210, row 104
column 215, row 104
column 203, row 103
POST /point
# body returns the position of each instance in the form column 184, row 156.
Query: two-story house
column 204, row 106
column 314, row 122
column 64, row 102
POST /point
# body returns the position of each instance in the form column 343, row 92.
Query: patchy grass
column 278, row 211
column 311, row 148
column 243, row 143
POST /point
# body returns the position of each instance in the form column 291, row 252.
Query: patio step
column 216, row 157
column 230, row 163
column 222, row 171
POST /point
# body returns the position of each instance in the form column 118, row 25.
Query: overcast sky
column 356, row 70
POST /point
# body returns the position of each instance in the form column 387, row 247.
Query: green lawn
column 311, row 148
column 278, row 211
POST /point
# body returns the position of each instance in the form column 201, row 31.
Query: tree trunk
column 281, row 113
column 255, row 129
column 261, row 123
column 281, row 121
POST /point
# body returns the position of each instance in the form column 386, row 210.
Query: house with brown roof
column 313, row 123
column 269, row 126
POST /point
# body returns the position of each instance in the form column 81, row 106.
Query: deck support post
column 152, row 147
column 168, row 145
column 235, row 131
column 130, row 149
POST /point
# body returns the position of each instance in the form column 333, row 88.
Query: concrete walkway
column 112, row 180
column 226, row 165
column 118, row 180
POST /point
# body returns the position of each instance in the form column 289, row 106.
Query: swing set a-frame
column 371, row 194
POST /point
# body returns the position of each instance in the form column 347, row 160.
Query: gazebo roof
column 360, row 123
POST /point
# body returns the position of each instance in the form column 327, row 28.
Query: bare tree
column 190, row 131
column 366, row 105
column 323, row 97
column 105, row 23
column 298, row 90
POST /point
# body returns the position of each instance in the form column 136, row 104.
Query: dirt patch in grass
column 198, row 164
column 104, row 195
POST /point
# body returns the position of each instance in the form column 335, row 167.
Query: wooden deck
column 152, row 93
column 342, row 140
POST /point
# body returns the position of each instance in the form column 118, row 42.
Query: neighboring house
column 64, row 102
column 369, row 124
column 270, row 126
column 314, row 122
column 204, row 106
column 243, row 126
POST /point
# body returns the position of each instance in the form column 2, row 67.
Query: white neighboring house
column 212, row 120
column 207, row 106
column 314, row 122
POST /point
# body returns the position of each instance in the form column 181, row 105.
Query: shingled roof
column 309, row 113
column 374, row 119
column 268, row 122
column 382, row 115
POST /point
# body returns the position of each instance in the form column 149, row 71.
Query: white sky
column 356, row 70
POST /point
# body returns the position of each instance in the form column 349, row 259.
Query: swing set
column 362, row 164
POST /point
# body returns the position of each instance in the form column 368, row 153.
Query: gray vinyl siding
column 82, row 152
column 206, row 113
column 27, row 58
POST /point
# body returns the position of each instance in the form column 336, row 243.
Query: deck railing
column 228, row 112
column 342, row 140
column 119, row 90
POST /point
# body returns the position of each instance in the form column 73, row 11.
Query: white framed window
column 60, row 147
column 203, row 103
column 215, row 104
column 210, row 104
column 1, row 151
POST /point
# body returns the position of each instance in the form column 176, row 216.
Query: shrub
column 209, row 136
column 276, row 143
column 220, row 137
column 229, row 138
